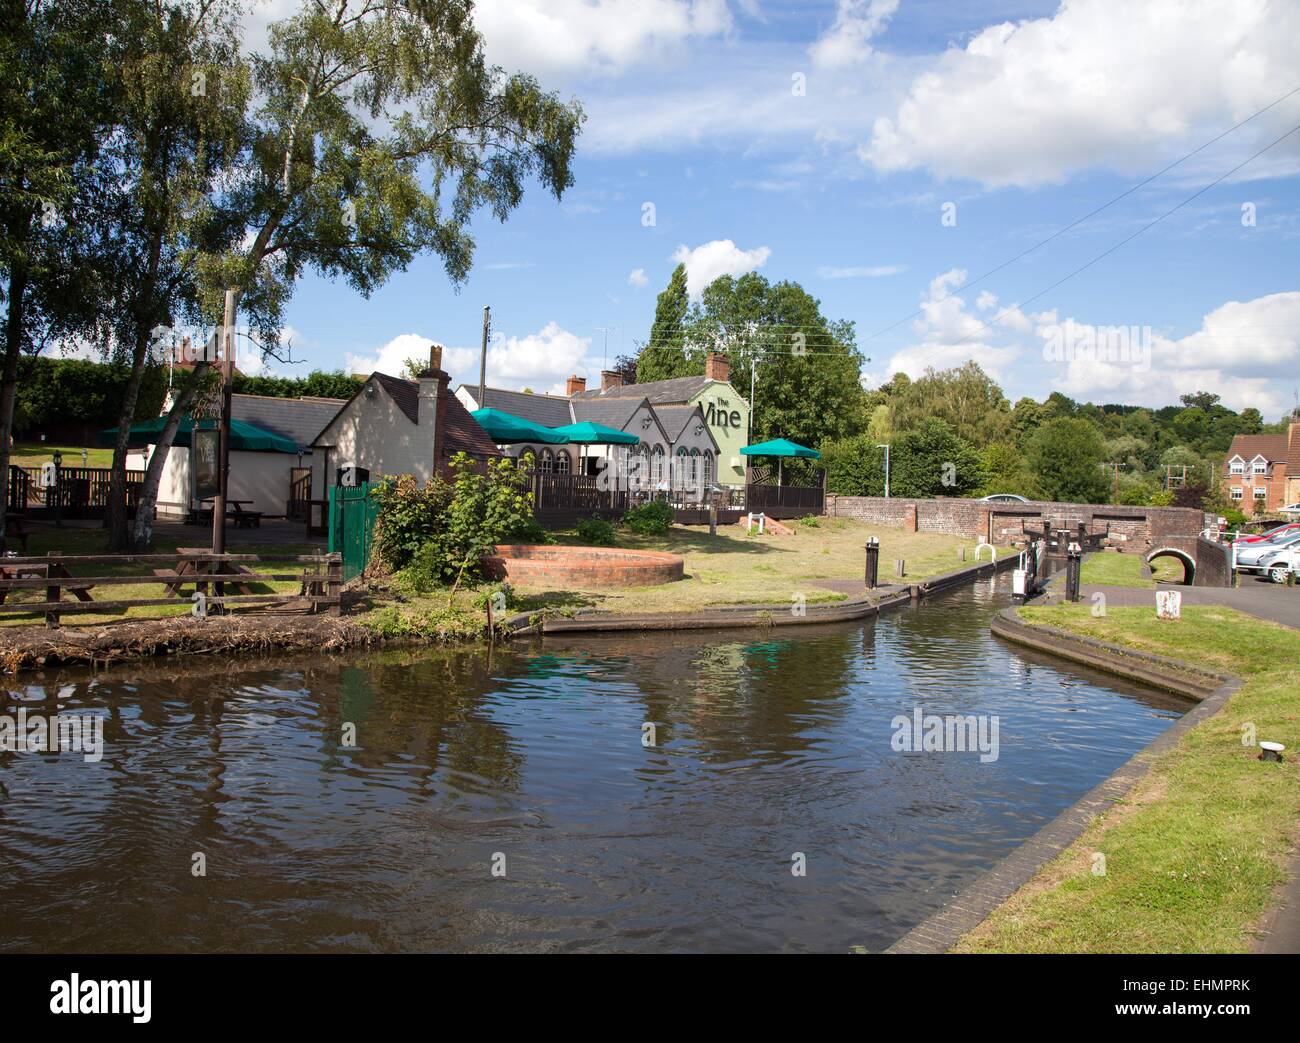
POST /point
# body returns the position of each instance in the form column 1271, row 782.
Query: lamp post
column 58, row 492
column 885, row 447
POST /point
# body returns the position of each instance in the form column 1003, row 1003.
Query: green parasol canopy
column 781, row 447
column 243, row 435
column 587, row 433
column 507, row 429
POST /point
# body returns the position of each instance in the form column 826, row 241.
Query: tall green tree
column 1066, row 454
column 663, row 356
column 381, row 131
column 808, row 386
column 966, row 397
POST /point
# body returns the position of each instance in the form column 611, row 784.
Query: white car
column 1251, row 556
column 1004, row 498
column 1277, row 564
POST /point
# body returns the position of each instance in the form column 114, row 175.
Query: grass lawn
column 732, row 568
column 33, row 454
column 1195, row 851
column 78, row 541
column 1108, row 569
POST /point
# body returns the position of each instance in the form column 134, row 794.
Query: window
column 548, row 462
column 695, row 466
column 1260, row 492
column 681, row 465
column 561, row 462
column 1261, row 466
column 1236, row 492
column 708, row 466
column 1237, row 466
column 657, row 465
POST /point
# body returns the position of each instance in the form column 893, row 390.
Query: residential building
column 1256, row 470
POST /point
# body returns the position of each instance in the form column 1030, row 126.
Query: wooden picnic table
column 242, row 518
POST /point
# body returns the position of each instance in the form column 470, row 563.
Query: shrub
column 597, row 532
column 650, row 519
column 810, row 521
column 409, row 517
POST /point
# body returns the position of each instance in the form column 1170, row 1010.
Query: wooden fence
column 209, row 574
column 81, row 492
column 785, row 501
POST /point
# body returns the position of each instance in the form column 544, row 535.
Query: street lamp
column 885, row 447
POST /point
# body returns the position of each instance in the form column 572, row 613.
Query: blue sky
column 1025, row 116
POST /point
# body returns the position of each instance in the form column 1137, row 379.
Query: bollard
column 900, row 567
column 961, row 553
column 873, row 561
column 1073, row 565
column 713, row 518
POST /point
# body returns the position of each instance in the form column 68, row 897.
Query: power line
column 1093, row 213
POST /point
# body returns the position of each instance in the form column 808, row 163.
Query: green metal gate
column 352, row 512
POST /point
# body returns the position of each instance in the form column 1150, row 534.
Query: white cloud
column 391, row 358
column 849, row 40
column 718, row 257
column 874, row 272
column 637, row 278
column 1098, row 84
column 1245, row 351
column 585, row 37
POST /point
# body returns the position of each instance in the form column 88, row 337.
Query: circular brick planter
column 540, row 565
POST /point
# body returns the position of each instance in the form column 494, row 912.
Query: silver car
column 1250, row 557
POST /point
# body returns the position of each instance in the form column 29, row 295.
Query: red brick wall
column 1141, row 527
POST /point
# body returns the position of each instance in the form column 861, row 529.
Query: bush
column 650, row 519
column 810, row 521
column 409, row 517
column 596, row 532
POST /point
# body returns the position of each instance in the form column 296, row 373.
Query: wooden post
column 335, row 585
column 482, row 362
column 52, row 594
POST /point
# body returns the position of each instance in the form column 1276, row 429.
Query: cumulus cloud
column 848, row 42
column 718, row 257
column 1245, row 351
column 584, row 37
column 1098, row 84
column 637, row 278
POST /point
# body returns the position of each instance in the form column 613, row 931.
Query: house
column 393, row 426
column 1255, row 470
column 263, row 479
column 691, row 428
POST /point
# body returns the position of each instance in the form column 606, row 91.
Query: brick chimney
column 610, row 378
column 576, row 386
column 431, row 415
column 716, row 367
column 435, row 356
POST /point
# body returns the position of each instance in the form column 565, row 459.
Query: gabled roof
column 676, row 419
column 547, row 410
column 1271, row 447
column 298, row 419
column 668, row 392
column 614, row 412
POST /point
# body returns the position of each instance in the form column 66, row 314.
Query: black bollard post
column 1073, row 565
column 873, row 561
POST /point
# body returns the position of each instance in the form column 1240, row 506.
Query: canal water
column 507, row 801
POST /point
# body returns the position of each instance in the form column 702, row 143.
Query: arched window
column 561, row 462
column 682, row 472
column 695, row 466
column 657, row 465
column 708, row 467
column 548, row 462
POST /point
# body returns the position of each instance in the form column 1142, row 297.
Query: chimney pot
column 610, row 378
column 575, row 386
column 717, row 367
column 435, row 356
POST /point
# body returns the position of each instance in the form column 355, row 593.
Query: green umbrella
column 507, row 429
column 588, row 433
column 781, row 447
column 243, row 435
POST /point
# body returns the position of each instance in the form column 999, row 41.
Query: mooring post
column 1073, row 566
column 873, row 561
column 900, row 567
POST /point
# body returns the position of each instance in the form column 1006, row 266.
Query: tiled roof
column 677, row 418
column 298, row 419
column 676, row 390
column 1271, row 447
column 462, row 433
column 612, row 412
column 547, row 410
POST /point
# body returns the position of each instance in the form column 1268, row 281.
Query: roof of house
column 676, row 419
column 547, row 410
column 677, row 389
column 613, row 412
column 1271, row 447
column 298, row 419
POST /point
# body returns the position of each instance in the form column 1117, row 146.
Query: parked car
column 1004, row 498
column 1290, row 508
column 1272, row 535
column 1278, row 564
column 1250, row 558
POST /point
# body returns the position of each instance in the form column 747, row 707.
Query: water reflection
column 768, row 743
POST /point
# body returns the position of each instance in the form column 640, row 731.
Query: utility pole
column 223, row 451
column 482, row 362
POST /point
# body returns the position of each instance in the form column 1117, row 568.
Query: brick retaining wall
column 1132, row 528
